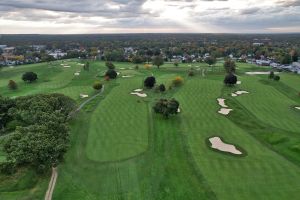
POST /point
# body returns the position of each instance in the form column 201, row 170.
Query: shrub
column 109, row 65
column 276, row 78
column 230, row 79
column 112, row 74
column 162, row 88
column 149, row 82
column 136, row 67
column 176, row 64
column 271, row 75
column 12, row 85
column 177, row 81
column 191, row 73
column 29, row 77
column 97, row 85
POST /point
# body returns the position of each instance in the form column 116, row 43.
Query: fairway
column 121, row 149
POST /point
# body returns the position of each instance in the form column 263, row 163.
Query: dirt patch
column 218, row 144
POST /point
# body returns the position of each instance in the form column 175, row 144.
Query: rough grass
column 120, row 149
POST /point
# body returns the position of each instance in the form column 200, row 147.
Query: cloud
column 82, row 16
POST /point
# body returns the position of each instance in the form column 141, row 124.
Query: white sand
column 241, row 92
column 139, row 94
column 217, row 143
column 225, row 111
column 234, row 95
column 122, row 68
column 297, row 108
column 178, row 110
column 76, row 74
column 138, row 90
column 126, row 76
column 84, row 96
column 239, row 82
column 118, row 73
column 67, row 66
column 260, row 73
column 222, row 102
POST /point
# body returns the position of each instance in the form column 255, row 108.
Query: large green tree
column 157, row 61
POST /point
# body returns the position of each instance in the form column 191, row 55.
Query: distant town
column 262, row 52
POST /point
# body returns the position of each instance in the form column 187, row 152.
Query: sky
column 148, row 16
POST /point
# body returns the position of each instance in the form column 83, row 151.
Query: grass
column 120, row 149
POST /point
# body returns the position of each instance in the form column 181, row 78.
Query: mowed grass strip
column 262, row 174
column 118, row 128
column 269, row 105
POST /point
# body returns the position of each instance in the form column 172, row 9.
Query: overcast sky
column 145, row 16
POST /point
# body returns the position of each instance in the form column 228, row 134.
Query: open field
column 120, row 149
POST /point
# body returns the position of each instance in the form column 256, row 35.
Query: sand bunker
column 225, row 111
column 118, row 73
column 178, row 110
column 84, row 96
column 76, row 74
column 126, row 76
column 67, row 66
column 239, row 82
column 122, row 68
column 222, row 102
column 217, row 143
column 139, row 94
column 298, row 108
column 237, row 93
column 260, row 73
column 138, row 90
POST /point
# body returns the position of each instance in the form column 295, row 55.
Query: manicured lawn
column 121, row 149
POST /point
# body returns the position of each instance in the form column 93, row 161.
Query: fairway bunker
column 83, row 96
column 260, row 73
column 126, row 76
column 218, row 144
column 138, row 90
column 76, row 74
column 238, row 93
column 221, row 102
column 178, row 110
column 298, row 108
column 239, row 82
column 225, row 111
column 139, row 94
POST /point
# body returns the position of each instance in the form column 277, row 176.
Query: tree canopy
column 111, row 73
column 157, row 60
column 29, row 77
column 229, row 66
column 40, row 136
column 166, row 107
column 150, row 82
column 230, row 79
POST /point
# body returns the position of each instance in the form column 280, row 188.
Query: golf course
column 225, row 143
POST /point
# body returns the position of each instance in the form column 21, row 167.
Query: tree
column 12, row 85
column 178, row 80
column 230, row 79
column 176, row 63
column 86, row 67
column 137, row 59
column 276, row 78
column 294, row 55
column 286, row 59
column 42, row 138
column 162, row 88
column 271, row 75
column 149, row 82
column 111, row 73
column 109, row 65
column 210, row 60
column 29, row 77
column 166, row 107
column 158, row 61
column 229, row 66
column 97, row 85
